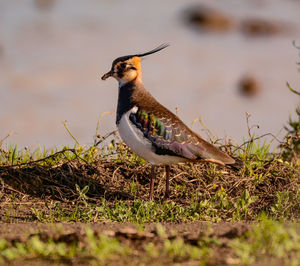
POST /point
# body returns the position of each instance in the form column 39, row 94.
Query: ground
column 127, row 233
column 76, row 207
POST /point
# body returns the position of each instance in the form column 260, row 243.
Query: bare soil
column 225, row 229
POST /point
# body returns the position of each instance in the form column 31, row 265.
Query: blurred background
column 226, row 58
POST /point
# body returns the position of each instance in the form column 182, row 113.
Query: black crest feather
column 155, row 50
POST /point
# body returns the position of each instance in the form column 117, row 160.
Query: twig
column 98, row 125
column 248, row 115
column 291, row 89
column 114, row 173
column 14, row 190
column 264, row 135
column 44, row 159
column 207, row 131
column 105, row 137
column 8, row 135
column 66, row 127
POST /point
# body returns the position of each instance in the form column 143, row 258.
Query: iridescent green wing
column 169, row 137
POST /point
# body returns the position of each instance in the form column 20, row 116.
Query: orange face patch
column 136, row 62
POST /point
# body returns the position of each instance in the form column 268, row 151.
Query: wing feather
column 170, row 137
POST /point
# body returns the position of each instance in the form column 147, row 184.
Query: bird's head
column 128, row 68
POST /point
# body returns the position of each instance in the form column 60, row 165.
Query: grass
column 271, row 239
column 178, row 250
column 84, row 184
column 267, row 239
column 95, row 248
column 111, row 184
column 101, row 249
column 219, row 208
column 141, row 211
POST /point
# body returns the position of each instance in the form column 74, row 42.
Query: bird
column 152, row 131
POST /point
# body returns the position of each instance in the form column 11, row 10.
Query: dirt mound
column 225, row 189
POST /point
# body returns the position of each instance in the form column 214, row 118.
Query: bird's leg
column 167, row 192
column 152, row 176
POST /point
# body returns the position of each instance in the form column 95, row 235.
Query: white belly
column 141, row 146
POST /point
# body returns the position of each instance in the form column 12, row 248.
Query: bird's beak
column 107, row 75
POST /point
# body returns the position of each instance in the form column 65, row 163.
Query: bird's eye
column 123, row 65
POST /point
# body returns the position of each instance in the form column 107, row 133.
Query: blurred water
column 52, row 60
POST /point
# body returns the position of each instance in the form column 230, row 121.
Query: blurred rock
column 207, row 19
column 44, row 4
column 249, row 86
column 259, row 27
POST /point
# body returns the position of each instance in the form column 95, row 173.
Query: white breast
column 135, row 139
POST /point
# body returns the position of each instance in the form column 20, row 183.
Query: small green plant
column 177, row 250
column 103, row 247
column 285, row 202
column 291, row 147
column 99, row 248
column 242, row 205
column 269, row 238
column 180, row 251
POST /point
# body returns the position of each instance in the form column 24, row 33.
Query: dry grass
column 268, row 184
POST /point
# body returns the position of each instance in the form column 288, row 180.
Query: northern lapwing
column 150, row 129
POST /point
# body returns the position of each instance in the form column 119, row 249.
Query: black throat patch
column 125, row 102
